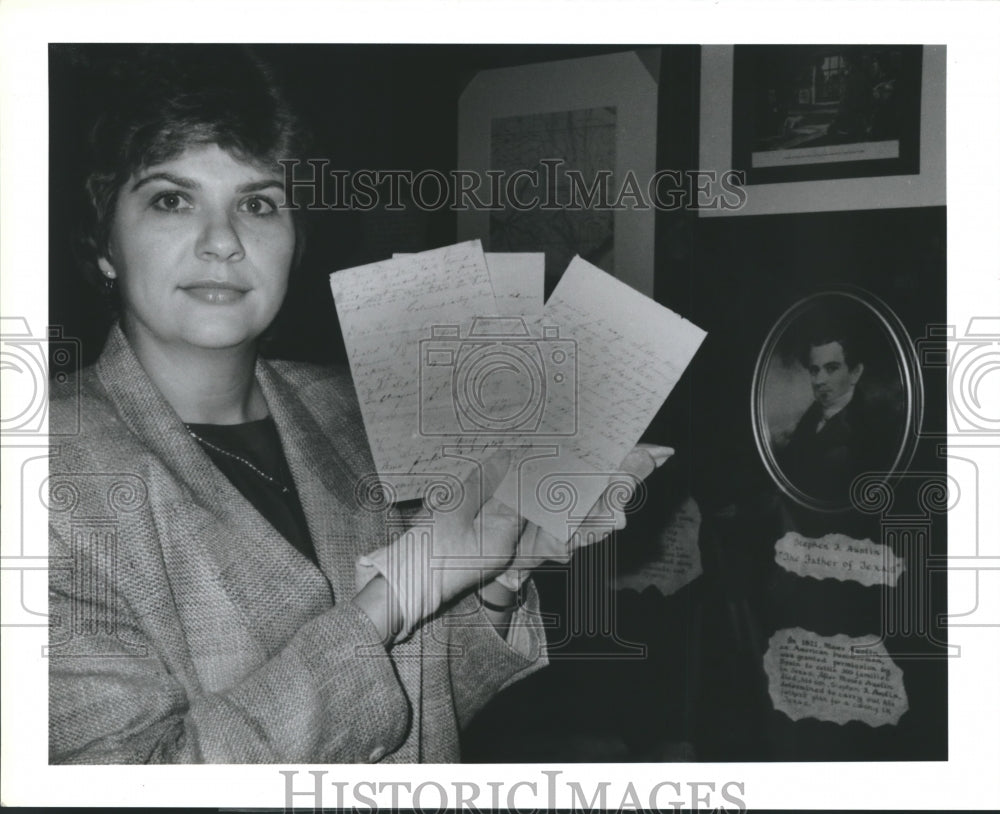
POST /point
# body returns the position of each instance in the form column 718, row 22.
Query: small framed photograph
column 816, row 112
column 837, row 397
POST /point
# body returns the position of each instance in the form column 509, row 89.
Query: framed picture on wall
column 837, row 395
column 561, row 142
column 817, row 112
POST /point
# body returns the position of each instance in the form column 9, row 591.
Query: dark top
column 274, row 496
column 859, row 438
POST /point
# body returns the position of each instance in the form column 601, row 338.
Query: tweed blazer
column 184, row 628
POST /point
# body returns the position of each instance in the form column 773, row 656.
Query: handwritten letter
column 452, row 348
column 518, row 281
column 629, row 351
column 386, row 310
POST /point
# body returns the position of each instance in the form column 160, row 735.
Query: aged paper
column 436, row 367
column 518, row 282
column 837, row 556
column 386, row 311
column 630, row 352
column 678, row 561
column 813, row 676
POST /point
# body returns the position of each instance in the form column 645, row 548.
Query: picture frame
column 837, row 398
column 510, row 119
column 925, row 187
column 819, row 112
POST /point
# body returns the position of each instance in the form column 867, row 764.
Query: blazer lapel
column 225, row 562
column 329, row 464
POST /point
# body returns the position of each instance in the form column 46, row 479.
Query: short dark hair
column 164, row 99
column 851, row 347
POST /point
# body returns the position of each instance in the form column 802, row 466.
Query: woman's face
column 201, row 251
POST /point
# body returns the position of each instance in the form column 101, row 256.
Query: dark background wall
column 745, row 272
column 395, row 107
column 382, row 107
column 367, row 107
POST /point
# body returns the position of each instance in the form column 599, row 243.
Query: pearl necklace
column 204, row 442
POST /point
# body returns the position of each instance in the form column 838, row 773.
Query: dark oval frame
column 907, row 367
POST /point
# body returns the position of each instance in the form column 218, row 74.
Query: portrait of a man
column 835, row 399
column 840, row 435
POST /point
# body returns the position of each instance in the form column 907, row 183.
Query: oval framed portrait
column 837, row 395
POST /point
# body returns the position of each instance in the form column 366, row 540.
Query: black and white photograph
column 837, row 397
column 461, row 422
column 826, row 111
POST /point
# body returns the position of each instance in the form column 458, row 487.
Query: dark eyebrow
column 178, row 180
column 189, row 183
column 257, row 186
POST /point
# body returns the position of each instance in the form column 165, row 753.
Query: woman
column 231, row 597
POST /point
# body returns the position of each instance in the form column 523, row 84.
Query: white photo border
column 967, row 780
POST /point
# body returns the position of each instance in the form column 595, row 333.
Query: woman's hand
column 476, row 540
column 536, row 545
column 471, row 538
column 466, row 537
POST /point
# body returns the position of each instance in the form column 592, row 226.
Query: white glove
column 469, row 540
column 536, row 545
